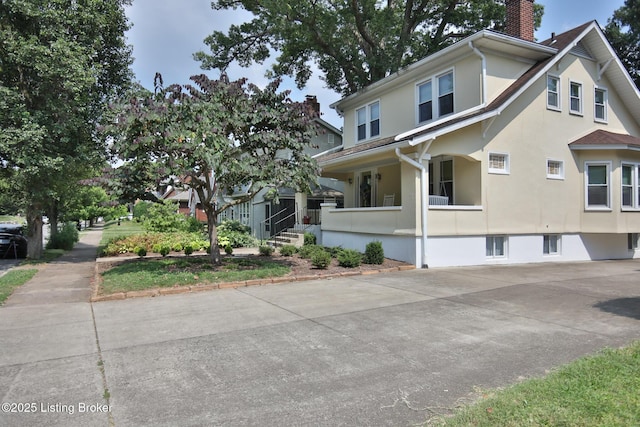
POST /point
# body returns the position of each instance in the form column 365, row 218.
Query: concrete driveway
column 388, row 349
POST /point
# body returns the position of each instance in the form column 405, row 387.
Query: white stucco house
column 497, row 149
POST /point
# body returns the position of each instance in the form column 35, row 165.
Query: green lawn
column 112, row 230
column 12, row 279
column 167, row 272
column 600, row 390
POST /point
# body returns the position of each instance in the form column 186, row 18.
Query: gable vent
column 581, row 50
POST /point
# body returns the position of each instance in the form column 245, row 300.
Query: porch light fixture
column 378, row 176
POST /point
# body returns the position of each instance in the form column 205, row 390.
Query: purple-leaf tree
column 214, row 136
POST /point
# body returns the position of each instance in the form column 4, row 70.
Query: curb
column 229, row 285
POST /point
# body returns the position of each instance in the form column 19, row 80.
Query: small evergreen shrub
column 288, row 250
column 374, row 254
column 309, row 239
column 177, row 247
column 334, row 251
column 188, row 250
column 266, row 250
column 164, row 249
column 156, row 248
column 140, row 251
column 228, row 249
column 307, row 251
column 321, row 259
column 349, row 258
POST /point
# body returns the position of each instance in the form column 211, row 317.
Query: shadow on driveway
column 628, row 307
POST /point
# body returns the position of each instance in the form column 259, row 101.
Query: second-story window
column 368, row 121
column 445, row 94
column 425, row 102
column 600, row 104
column 553, row 92
column 575, row 98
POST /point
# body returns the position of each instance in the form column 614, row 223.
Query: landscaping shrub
column 374, row 254
column 321, row 259
column 65, row 238
column 192, row 225
column 165, row 249
column 266, row 250
column 234, row 233
column 140, row 251
column 334, row 251
column 163, row 217
column 309, row 239
column 188, row 250
column 177, row 247
column 307, row 251
column 349, row 258
column 288, row 250
column 228, row 250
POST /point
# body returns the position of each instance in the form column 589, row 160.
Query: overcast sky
column 166, row 33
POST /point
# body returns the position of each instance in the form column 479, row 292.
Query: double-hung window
column 553, row 92
column 597, row 183
column 428, row 107
column 575, row 98
column 631, row 185
column 600, row 104
column 368, row 121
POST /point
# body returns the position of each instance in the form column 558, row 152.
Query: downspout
column 484, row 72
column 424, row 192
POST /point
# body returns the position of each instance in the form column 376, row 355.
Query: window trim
column 507, row 163
column 608, row 166
column 635, row 187
column 368, row 121
column 546, row 244
column 559, row 176
column 558, row 93
column 580, row 97
column 505, row 247
column 605, row 105
column 434, row 79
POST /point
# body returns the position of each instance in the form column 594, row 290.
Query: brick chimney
column 312, row 101
column 520, row 19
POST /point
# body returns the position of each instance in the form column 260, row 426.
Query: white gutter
column 329, row 151
column 424, row 193
column 484, row 72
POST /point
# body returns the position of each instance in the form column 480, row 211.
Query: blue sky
column 166, row 33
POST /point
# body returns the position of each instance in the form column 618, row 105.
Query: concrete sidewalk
column 387, row 349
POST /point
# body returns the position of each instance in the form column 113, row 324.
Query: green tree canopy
column 353, row 42
column 214, row 137
column 623, row 32
column 60, row 63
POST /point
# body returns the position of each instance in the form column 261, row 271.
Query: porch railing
column 294, row 221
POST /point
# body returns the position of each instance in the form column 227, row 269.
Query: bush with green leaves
column 234, row 233
column 188, row 250
column 163, row 217
column 228, row 250
column 309, row 238
column 266, row 250
column 349, row 258
column 306, row 251
column 321, row 259
column 334, row 251
column 140, row 251
column 288, row 250
column 64, row 238
column 177, row 247
column 165, row 249
column 374, row 253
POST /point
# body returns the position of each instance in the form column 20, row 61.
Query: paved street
column 387, row 349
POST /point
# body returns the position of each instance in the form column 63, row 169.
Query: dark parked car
column 13, row 244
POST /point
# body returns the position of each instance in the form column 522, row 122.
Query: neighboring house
column 188, row 202
column 497, row 149
column 266, row 218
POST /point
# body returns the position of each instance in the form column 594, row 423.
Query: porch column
column 301, row 206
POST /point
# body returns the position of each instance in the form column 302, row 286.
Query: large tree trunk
column 34, row 232
column 53, row 219
column 213, row 237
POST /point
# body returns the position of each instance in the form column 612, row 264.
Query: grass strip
column 13, row 279
column 599, row 390
column 167, row 272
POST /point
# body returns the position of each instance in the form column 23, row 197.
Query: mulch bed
column 301, row 269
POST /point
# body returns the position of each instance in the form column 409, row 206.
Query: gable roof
column 605, row 140
column 556, row 48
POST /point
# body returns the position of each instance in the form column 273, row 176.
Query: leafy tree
column 353, row 42
column 215, row 136
column 60, row 63
column 623, row 32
